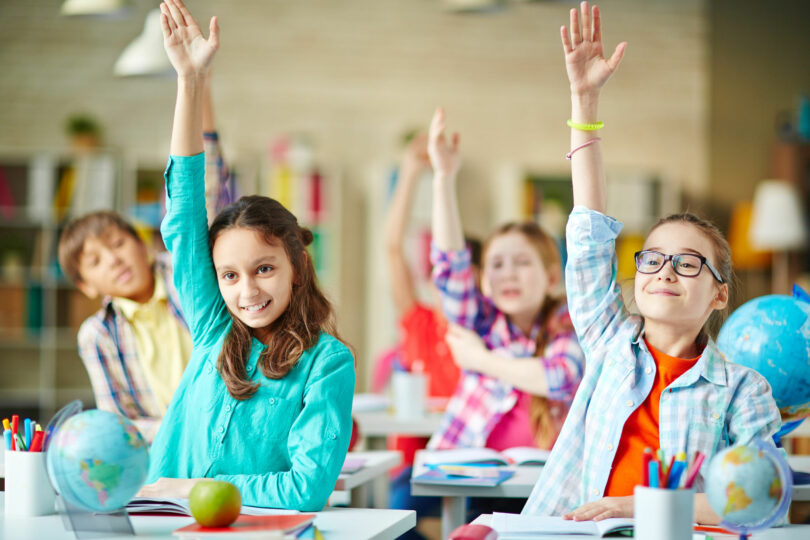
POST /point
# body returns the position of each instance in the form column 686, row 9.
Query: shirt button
column 610, row 447
column 629, row 403
column 227, row 408
column 648, row 370
column 222, row 429
column 715, row 416
column 272, row 401
column 595, row 491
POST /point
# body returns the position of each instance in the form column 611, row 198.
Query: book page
column 150, row 505
column 526, row 454
column 462, row 456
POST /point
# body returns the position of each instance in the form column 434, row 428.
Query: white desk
column 454, row 498
column 334, row 523
column 377, row 465
column 791, row 532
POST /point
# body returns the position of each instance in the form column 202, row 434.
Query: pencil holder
column 28, row 490
column 663, row 514
column 409, row 390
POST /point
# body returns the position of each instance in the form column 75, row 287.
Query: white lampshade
column 777, row 223
column 145, row 55
column 93, row 7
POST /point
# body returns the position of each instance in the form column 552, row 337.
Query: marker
column 645, row 466
column 654, row 473
column 36, row 442
column 27, row 431
column 7, row 437
column 20, row 442
column 690, row 479
column 15, row 423
column 6, row 424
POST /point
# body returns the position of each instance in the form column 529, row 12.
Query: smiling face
column 515, row 278
column 671, row 299
column 255, row 277
column 115, row 263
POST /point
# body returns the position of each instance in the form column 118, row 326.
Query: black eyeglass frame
column 673, row 259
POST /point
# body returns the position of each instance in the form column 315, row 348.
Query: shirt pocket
column 273, row 413
column 705, row 429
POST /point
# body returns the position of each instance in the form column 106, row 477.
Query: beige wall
column 760, row 65
column 355, row 73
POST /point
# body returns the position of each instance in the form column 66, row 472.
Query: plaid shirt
column 480, row 401
column 106, row 339
column 713, row 405
column 107, row 348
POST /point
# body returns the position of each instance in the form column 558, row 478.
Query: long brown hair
column 721, row 263
column 308, row 314
column 543, row 427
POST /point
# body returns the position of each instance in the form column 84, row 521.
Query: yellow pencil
column 317, row 534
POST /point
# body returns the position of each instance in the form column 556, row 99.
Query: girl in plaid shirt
column 654, row 380
column 513, row 340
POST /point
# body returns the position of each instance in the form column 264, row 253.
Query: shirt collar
column 710, row 365
column 129, row 308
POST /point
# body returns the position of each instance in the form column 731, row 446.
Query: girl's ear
column 720, row 300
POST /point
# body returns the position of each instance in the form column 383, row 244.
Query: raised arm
column 445, row 160
column 190, row 54
column 414, row 162
column 219, row 184
column 588, row 70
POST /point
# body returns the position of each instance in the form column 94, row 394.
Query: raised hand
column 415, row 159
column 587, row 67
column 189, row 52
column 444, row 156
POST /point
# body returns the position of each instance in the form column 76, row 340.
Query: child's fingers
column 213, row 32
column 587, row 35
column 617, row 55
column 566, row 41
column 164, row 25
column 597, row 25
column 436, row 125
column 176, row 16
column 164, row 10
column 186, row 14
column 576, row 37
column 456, row 139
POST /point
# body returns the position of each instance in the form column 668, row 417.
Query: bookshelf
column 42, row 311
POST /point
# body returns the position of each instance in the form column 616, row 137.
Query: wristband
column 585, row 127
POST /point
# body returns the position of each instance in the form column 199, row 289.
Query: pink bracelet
column 581, row 146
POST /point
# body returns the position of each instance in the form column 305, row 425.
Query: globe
column 749, row 487
column 96, row 460
column 771, row 334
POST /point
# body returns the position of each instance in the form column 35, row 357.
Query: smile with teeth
column 256, row 307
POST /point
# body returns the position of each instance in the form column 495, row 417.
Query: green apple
column 215, row 503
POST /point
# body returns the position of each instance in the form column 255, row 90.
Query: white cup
column 409, row 390
column 663, row 514
column 28, row 490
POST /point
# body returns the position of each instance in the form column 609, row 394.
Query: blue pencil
column 28, row 436
column 7, row 436
column 654, row 474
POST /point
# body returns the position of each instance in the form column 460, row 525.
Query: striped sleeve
column 563, row 361
column 452, row 274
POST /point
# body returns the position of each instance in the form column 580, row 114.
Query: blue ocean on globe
column 97, row 460
column 771, row 334
column 745, row 486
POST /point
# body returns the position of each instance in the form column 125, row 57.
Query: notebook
column 251, row 527
column 519, row 526
column 519, row 455
column 488, row 477
column 144, row 505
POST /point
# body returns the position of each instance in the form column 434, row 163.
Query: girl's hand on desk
column 468, row 349
column 607, row 507
column 169, row 488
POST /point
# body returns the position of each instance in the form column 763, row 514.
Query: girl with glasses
column 655, row 380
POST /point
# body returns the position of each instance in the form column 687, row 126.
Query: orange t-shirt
column 641, row 429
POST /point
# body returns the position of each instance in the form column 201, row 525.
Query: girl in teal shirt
column 265, row 402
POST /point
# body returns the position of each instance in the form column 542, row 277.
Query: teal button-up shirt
column 284, row 446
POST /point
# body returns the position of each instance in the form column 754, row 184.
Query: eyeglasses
column 684, row 264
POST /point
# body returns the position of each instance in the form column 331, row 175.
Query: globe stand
column 88, row 525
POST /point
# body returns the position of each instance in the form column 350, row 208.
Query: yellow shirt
column 162, row 343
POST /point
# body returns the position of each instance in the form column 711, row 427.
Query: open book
column 519, row 526
column 144, row 505
column 519, row 455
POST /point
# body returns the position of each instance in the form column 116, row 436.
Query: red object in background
column 355, row 434
column 423, row 334
column 473, row 532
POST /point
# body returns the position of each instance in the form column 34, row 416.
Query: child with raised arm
column 513, row 339
column 265, row 402
column 654, row 380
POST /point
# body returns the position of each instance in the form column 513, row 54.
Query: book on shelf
column 519, row 526
column 470, row 477
column 179, row 507
column 518, row 455
column 264, row 527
